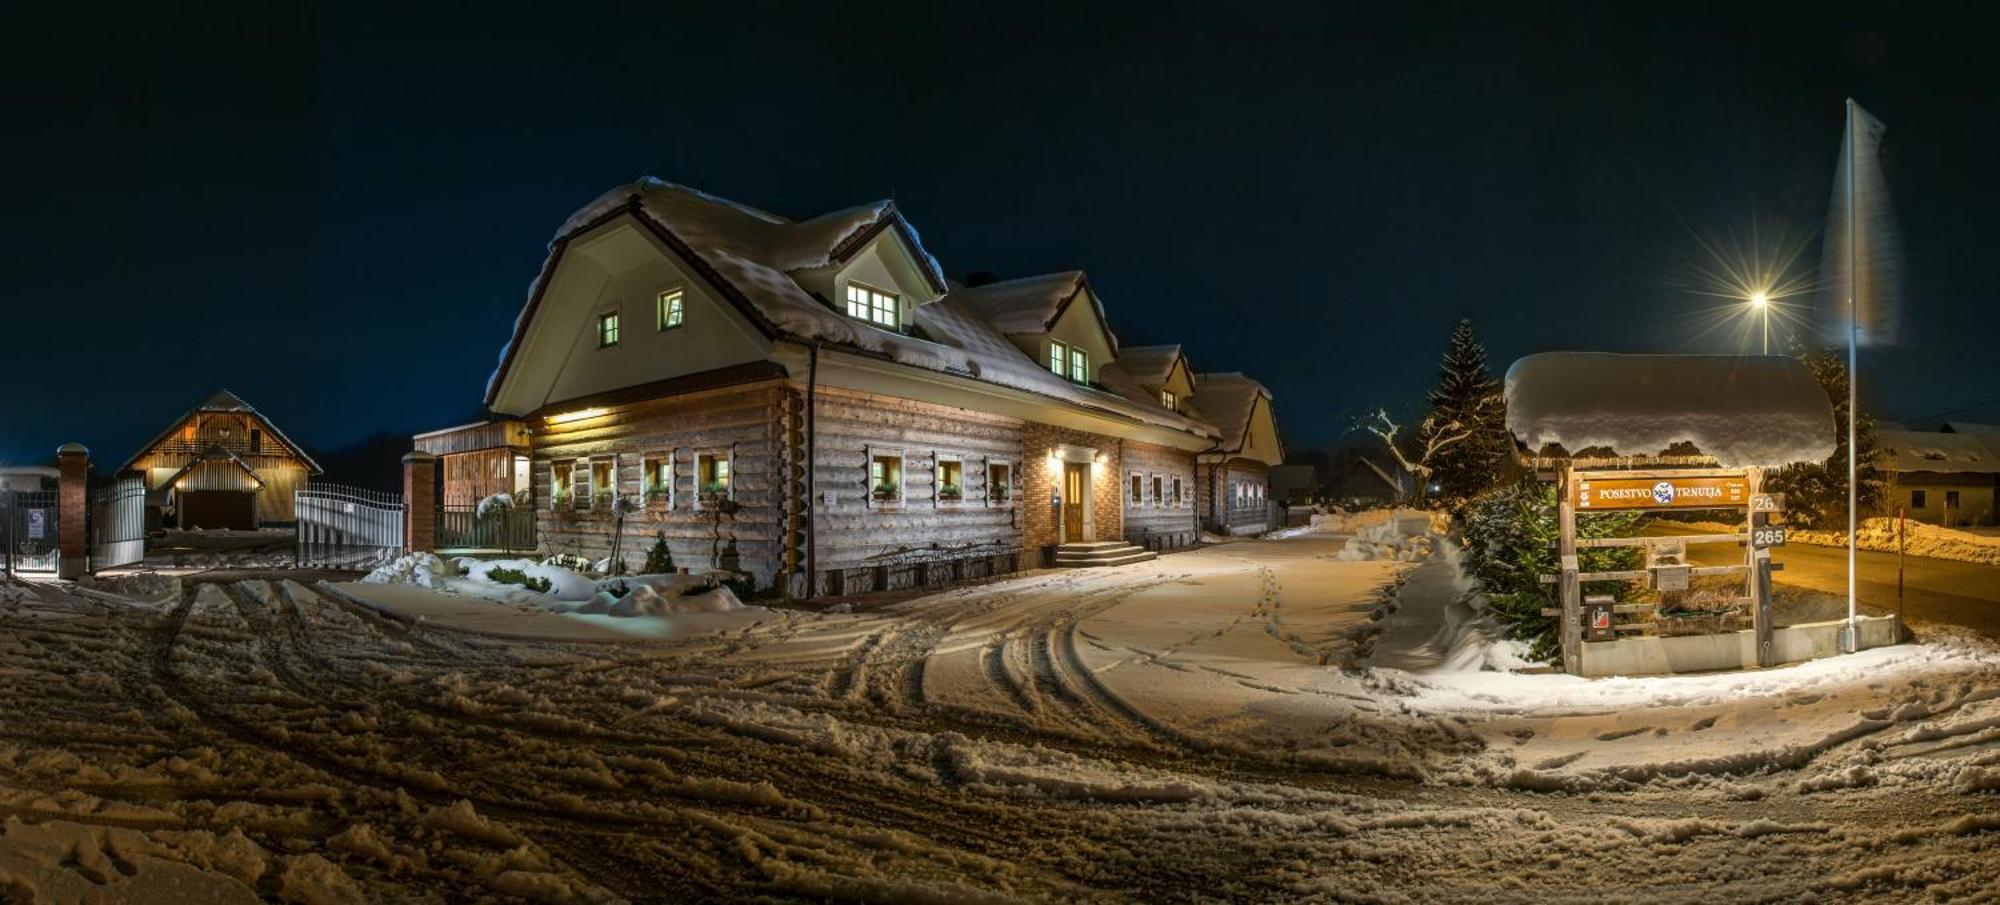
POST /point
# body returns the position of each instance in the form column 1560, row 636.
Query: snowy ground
column 1249, row 721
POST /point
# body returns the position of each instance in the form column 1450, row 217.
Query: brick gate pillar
column 420, row 500
column 72, row 510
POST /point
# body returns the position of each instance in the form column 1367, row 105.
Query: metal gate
column 28, row 530
column 347, row 527
column 118, row 524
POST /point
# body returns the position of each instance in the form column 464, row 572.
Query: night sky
column 335, row 211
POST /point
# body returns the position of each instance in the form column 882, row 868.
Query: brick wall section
column 420, row 498
column 72, row 503
column 1040, row 521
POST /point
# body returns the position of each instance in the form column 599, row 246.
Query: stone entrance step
column 1101, row 553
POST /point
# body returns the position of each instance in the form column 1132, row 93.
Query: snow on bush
column 662, row 595
column 425, row 570
column 497, row 504
column 564, row 584
column 1399, row 538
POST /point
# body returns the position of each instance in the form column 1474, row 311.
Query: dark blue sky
column 335, row 210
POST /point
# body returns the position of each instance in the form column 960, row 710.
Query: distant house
column 1943, row 477
column 221, row 465
column 795, row 398
column 478, row 460
column 1233, row 478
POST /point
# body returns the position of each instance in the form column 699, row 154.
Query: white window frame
column 648, row 487
column 611, row 462
column 987, row 491
column 1171, row 400
column 727, row 460
column 1079, row 366
column 562, row 493
column 1058, row 362
column 1156, row 490
column 938, row 461
column 1135, row 501
column 609, row 317
column 1180, row 492
column 670, row 304
column 865, row 304
column 902, row 477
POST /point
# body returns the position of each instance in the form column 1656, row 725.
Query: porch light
column 578, row 415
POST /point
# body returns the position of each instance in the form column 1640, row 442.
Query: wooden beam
column 1570, row 629
column 1589, row 542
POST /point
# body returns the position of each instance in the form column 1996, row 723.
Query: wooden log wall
column 854, row 531
column 741, row 424
column 1158, row 520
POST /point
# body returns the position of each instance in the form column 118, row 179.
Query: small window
column 1951, row 499
column 657, row 479
column 669, row 312
column 999, row 482
column 561, row 475
column 603, row 483
column 950, row 481
column 1058, row 358
column 1176, row 500
column 1917, row 499
column 1171, row 401
column 885, row 477
column 875, row 307
column 1079, row 365
column 607, row 330
column 256, row 440
column 712, row 476
column 1159, row 496
column 1138, row 489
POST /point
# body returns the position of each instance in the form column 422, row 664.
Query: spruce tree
column 1468, row 402
column 659, row 559
column 1816, row 492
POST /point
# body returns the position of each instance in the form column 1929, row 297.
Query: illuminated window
column 999, row 482
column 603, row 482
column 950, row 480
column 875, row 307
column 657, row 477
column 1058, row 358
column 712, row 476
column 1079, row 365
column 885, row 477
column 1171, row 401
column 607, row 330
column 668, row 312
column 561, row 475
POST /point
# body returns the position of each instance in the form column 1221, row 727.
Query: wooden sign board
column 1767, row 502
column 1764, row 538
column 1661, row 493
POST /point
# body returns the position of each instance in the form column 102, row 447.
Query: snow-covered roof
column 1228, row 400
column 224, row 401
column 1149, row 365
column 1026, row 305
column 1930, row 451
column 752, row 255
column 1739, row 410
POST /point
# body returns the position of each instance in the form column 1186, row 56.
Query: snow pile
column 1742, row 410
column 564, row 584
column 1920, row 539
column 662, row 595
column 1404, row 537
column 425, row 570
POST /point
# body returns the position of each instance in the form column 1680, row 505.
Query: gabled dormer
column 1056, row 319
column 878, row 273
column 1162, row 371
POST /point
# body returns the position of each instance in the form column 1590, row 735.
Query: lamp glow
column 578, row 415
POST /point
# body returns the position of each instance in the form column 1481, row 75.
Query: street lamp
column 1761, row 303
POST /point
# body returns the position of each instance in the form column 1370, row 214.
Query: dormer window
column 1079, row 365
column 607, row 330
column 1171, row 401
column 874, row 306
column 1058, row 358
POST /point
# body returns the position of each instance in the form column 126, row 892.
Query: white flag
column 1864, row 250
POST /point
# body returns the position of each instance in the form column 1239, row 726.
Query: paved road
column 1939, row 590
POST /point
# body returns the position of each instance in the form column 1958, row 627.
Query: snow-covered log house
column 814, row 398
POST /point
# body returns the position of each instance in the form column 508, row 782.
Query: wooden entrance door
column 1075, row 479
column 236, row 509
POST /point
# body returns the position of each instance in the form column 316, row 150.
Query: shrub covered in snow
column 496, row 505
column 424, row 570
column 1510, row 542
column 516, row 576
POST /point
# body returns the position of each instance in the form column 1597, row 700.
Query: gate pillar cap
column 72, row 449
column 419, row 456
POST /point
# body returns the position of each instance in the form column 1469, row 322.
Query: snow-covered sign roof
column 752, row 255
column 1739, row 410
column 1930, row 451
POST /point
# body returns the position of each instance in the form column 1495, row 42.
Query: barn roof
column 1740, row 410
column 223, row 400
column 1940, row 453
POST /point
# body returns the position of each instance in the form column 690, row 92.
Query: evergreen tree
column 1816, row 492
column 1468, row 400
column 659, row 559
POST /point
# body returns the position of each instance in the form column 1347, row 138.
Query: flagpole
column 1853, row 378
